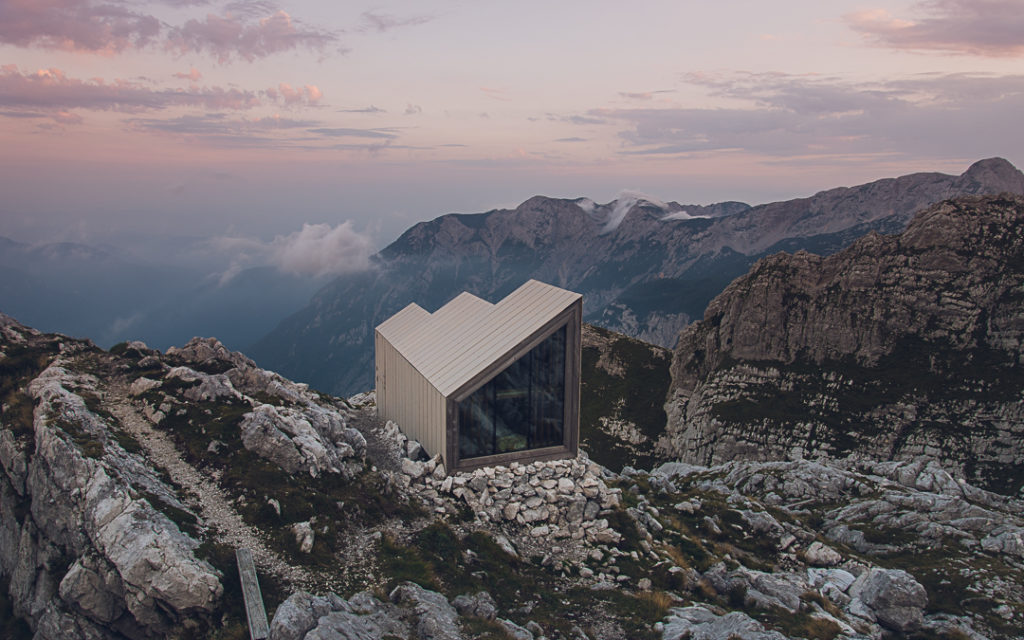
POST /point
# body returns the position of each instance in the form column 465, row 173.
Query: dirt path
column 211, row 504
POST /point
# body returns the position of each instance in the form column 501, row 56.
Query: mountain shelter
column 484, row 384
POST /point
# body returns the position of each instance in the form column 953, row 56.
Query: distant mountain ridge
column 645, row 268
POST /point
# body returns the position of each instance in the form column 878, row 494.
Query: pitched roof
column 458, row 341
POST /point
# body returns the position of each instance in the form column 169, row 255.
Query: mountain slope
column 894, row 347
column 645, row 268
column 128, row 477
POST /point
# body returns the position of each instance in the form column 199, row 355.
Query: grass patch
column 19, row 366
column 437, row 558
column 187, row 522
column 481, row 629
column 333, row 501
column 127, row 441
column 405, row 564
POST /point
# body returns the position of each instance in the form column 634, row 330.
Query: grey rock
column 515, row 631
column 821, row 555
column 480, row 605
column 894, row 596
column 435, row 618
column 794, row 322
column 309, row 439
column 698, row 623
column 298, row 615
column 304, row 536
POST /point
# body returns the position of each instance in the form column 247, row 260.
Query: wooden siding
column 466, row 336
column 405, row 396
column 426, row 362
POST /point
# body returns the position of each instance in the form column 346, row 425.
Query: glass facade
column 521, row 408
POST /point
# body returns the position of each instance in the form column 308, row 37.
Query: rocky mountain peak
column 995, row 172
column 894, row 345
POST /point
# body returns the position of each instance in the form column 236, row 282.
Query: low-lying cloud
column 320, row 249
column 317, row 250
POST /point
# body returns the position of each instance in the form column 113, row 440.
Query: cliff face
column 645, row 269
column 896, row 346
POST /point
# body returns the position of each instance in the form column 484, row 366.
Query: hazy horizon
column 248, row 120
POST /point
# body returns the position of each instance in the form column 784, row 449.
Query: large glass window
column 523, row 407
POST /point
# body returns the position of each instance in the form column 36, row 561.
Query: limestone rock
column 480, row 605
column 815, row 354
column 699, row 623
column 309, row 439
column 821, row 555
column 142, row 385
column 304, row 536
column 435, row 618
column 894, row 596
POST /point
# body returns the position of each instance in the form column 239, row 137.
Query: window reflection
column 523, row 407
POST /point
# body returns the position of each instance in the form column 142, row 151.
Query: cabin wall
column 407, row 398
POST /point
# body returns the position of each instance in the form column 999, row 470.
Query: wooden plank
column 254, row 611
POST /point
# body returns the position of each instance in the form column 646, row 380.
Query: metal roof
column 458, row 341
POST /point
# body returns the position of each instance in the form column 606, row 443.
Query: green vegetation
column 437, row 558
column 90, row 446
column 19, row 366
column 329, row 502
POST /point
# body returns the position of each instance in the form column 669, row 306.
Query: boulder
column 820, row 555
column 698, row 623
column 435, row 619
column 895, row 598
column 480, row 605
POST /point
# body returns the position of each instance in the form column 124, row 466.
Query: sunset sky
column 247, row 120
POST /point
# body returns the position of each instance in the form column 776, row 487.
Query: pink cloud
column 193, row 75
column 977, row 27
column 309, row 94
column 232, row 35
column 52, row 90
column 75, row 25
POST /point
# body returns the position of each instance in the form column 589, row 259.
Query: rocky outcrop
column 895, row 347
column 644, row 268
column 85, row 548
column 700, row 623
column 903, row 541
column 893, row 597
column 106, row 536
